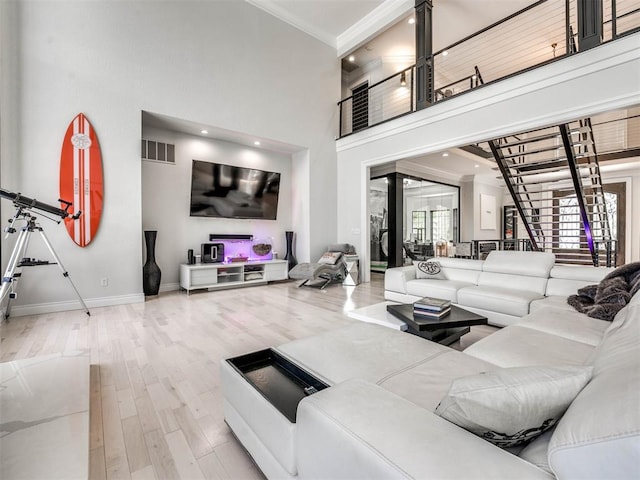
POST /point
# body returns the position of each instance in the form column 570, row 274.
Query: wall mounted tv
column 226, row 191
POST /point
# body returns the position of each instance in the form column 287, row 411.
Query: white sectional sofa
column 505, row 287
column 376, row 420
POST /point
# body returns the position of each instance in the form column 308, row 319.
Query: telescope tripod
column 18, row 260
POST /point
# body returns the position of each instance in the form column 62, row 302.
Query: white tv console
column 214, row 276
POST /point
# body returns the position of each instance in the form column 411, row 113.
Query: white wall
column 225, row 64
column 480, row 189
column 8, row 101
column 166, row 192
column 631, row 177
column 601, row 79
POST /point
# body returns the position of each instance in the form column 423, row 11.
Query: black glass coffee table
column 445, row 330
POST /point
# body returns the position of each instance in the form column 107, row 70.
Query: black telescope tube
column 26, row 202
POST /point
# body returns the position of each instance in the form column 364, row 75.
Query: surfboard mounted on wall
column 81, row 181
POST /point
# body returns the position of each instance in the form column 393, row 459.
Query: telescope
column 21, row 201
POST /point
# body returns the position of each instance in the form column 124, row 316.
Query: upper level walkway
column 543, row 33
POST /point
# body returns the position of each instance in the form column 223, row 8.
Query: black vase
column 290, row 257
column 151, row 273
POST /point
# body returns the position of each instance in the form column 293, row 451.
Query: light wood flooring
column 156, row 401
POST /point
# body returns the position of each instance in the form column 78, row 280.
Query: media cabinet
column 214, row 276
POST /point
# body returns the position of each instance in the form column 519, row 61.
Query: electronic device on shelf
column 212, row 252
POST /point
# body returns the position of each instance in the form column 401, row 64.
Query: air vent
column 158, row 151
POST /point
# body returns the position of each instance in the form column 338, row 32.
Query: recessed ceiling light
column 445, row 53
column 256, row 142
column 204, row 132
column 477, row 166
column 445, row 154
column 352, row 58
column 412, row 21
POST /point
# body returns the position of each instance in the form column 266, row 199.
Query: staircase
column 554, row 179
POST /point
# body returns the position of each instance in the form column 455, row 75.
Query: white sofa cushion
column 518, row 346
column 511, row 406
column 426, row 383
column 361, row 350
column 564, row 287
column 531, row 284
column 498, row 299
column 568, row 324
column 599, row 435
column 357, row 430
column 555, row 301
column 530, row 264
column 582, row 273
column 446, row 289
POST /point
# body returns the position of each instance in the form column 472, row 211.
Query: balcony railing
column 537, row 35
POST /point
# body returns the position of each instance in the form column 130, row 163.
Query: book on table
column 432, row 303
column 431, row 313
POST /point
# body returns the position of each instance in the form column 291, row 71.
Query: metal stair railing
column 600, row 210
column 538, row 164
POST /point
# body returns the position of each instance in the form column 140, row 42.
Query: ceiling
column 329, row 20
column 165, row 122
column 323, row 19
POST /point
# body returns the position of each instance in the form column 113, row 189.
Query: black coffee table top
column 459, row 317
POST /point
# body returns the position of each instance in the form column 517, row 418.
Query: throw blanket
column 607, row 298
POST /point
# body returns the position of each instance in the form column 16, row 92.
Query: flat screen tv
column 226, row 191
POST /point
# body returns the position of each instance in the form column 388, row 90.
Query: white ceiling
column 323, row 19
column 165, row 122
column 336, row 21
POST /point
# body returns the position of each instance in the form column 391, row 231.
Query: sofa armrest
column 395, row 279
column 359, row 430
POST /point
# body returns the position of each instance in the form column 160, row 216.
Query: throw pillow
column 511, row 406
column 330, row 258
column 429, row 269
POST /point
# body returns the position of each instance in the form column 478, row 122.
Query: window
column 440, row 225
column 418, row 225
column 569, row 223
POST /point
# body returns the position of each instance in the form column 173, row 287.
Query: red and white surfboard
column 81, row 180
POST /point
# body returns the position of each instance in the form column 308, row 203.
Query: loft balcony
column 543, row 33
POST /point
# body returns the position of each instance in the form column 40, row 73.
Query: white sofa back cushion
column 603, row 422
column 459, row 269
column 515, row 282
column 567, row 279
column 530, row 264
column 517, row 270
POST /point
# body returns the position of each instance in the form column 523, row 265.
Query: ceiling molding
column 370, row 25
column 407, row 166
column 283, row 14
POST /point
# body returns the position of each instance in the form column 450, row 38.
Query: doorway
column 568, row 232
column 410, row 219
column 379, row 223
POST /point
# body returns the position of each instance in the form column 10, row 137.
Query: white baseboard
column 35, row 309
column 169, row 287
column 39, row 308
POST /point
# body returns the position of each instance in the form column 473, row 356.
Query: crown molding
column 282, row 13
column 379, row 19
